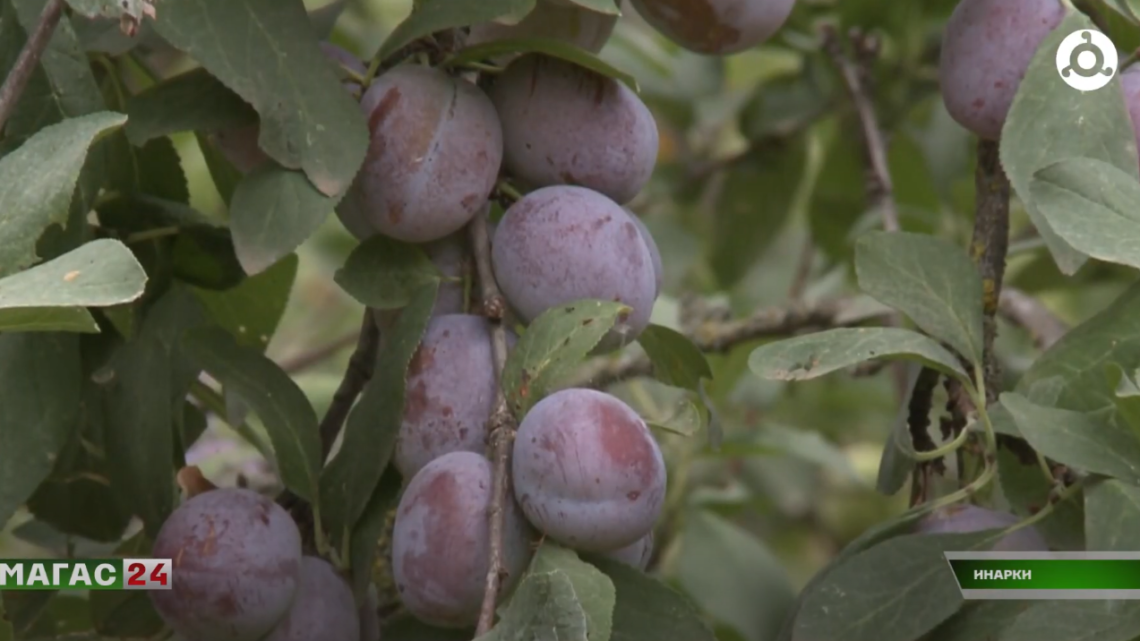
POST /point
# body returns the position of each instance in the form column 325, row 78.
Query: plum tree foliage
column 660, row 320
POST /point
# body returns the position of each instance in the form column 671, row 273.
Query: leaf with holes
column 814, row 355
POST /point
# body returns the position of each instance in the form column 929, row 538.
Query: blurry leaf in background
column 754, row 204
column 733, row 576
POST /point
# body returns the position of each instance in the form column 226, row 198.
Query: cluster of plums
column 586, row 469
column 240, row 576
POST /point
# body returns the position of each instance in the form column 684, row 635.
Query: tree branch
column 356, row 376
column 500, row 425
column 1025, row 311
column 880, row 189
column 26, row 62
column 988, row 248
column 360, row 367
column 714, row 334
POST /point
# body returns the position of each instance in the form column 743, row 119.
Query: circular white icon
column 1086, row 60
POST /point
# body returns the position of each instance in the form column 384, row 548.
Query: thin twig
column 1025, row 311
column 880, row 189
column 856, row 74
column 500, row 425
column 713, row 335
column 29, row 57
column 356, row 376
column 318, row 354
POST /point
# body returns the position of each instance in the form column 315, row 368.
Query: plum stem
column 507, row 189
column 501, row 424
column 21, row 73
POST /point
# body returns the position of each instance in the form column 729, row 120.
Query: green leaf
column 677, row 361
column 1028, row 491
column 324, row 18
column 225, row 176
column 1049, row 122
column 37, row 181
column 52, row 295
column 191, row 101
column 1075, row 621
column 649, row 609
column 980, row 620
column 756, row 199
column 1112, row 516
column 1078, row 440
column 1125, row 8
column 40, row 391
column 282, row 407
column 552, row 346
column 895, row 591
column 545, row 46
column 267, row 53
column 897, row 462
column 430, row 16
column 544, row 606
column 814, row 355
column 126, row 613
column 682, row 416
column 6, row 632
column 596, row 593
column 929, row 279
column 204, row 256
column 1090, row 204
column 368, row 530
column 1072, row 371
column 272, row 212
column 252, row 310
column 370, row 432
column 733, row 577
column 384, row 273
column 144, row 387
column 839, row 199
column 78, row 497
column 1126, row 397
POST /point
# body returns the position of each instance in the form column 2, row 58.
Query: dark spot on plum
column 383, row 109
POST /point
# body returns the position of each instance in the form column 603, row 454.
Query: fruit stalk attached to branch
column 501, row 425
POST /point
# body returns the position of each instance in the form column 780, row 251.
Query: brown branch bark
column 500, row 425
column 21, row 72
column 714, row 334
column 988, row 248
column 880, row 188
column 356, row 376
